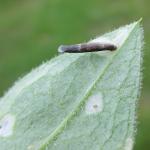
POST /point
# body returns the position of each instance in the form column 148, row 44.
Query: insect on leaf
column 82, row 101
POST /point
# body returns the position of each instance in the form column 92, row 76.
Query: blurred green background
column 31, row 31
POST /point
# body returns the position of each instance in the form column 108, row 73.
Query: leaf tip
column 140, row 20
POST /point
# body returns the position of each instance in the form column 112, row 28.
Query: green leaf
column 77, row 101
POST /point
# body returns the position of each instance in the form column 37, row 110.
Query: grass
column 31, row 31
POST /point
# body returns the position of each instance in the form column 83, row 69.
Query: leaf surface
column 77, row 101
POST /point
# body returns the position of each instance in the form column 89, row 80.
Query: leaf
column 77, row 101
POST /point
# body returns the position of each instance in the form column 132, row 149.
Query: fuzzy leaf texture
column 83, row 101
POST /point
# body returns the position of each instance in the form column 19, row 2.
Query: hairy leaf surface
column 77, row 101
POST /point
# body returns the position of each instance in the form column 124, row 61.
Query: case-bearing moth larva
column 87, row 47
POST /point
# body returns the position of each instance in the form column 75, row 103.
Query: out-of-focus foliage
column 31, row 31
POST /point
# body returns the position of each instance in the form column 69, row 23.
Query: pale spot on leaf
column 31, row 147
column 94, row 104
column 101, row 40
column 129, row 144
column 6, row 125
column 121, row 36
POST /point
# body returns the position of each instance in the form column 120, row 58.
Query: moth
column 87, row 47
